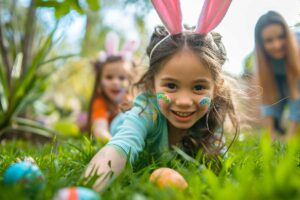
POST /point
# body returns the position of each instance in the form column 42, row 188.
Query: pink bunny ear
column 211, row 15
column 170, row 13
column 112, row 44
column 102, row 56
column 128, row 48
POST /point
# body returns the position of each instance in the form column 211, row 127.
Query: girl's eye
column 282, row 36
column 171, row 86
column 122, row 78
column 269, row 40
column 198, row 88
column 109, row 77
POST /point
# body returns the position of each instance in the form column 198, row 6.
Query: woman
column 278, row 69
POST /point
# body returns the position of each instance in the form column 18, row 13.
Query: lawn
column 254, row 168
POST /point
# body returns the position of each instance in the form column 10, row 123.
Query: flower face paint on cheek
column 124, row 85
column 205, row 101
column 162, row 99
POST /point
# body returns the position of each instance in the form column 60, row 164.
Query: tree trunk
column 29, row 34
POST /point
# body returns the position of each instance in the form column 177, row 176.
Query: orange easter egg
column 166, row 177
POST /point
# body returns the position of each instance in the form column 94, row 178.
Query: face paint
column 124, row 89
column 162, row 98
column 205, row 101
column 124, row 85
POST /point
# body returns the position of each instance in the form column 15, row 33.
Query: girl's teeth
column 183, row 114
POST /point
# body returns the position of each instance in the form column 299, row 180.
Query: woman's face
column 114, row 80
column 274, row 41
column 184, row 88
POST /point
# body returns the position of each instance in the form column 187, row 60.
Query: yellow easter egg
column 166, row 177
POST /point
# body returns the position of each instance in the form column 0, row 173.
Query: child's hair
column 265, row 73
column 210, row 51
column 97, row 89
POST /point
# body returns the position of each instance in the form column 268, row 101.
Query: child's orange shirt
column 100, row 110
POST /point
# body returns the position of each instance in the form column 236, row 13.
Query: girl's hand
column 100, row 131
column 102, row 136
column 107, row 160
column 126, row 103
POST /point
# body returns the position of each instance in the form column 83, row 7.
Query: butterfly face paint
column 205, row 101
column 162, row 99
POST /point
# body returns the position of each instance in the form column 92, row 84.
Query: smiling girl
column 185, row 98
column 113, row 72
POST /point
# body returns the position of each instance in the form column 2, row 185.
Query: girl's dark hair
column 97, row 90
column 211, row 52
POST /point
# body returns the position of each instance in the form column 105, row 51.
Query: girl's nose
column 184, row 100
column 116, row 81
column 278, row 44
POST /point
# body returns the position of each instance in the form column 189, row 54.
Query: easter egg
column 25, row 173
column 166, row 177
column 76, row 193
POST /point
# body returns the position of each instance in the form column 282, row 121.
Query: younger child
column 113, row 75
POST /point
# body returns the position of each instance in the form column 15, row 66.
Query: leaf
column 62, row 10
column 33, row 124
column 93, row 4
column 16, row 70
column 4, row 90
column 25, row 129
column 48, row 4
column 58, row 58
column 24, row 86
column 76, row 6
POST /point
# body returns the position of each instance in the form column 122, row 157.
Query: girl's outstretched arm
column 100, row 130
column 107, row 160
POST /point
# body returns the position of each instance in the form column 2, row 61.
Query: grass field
column 255, row 168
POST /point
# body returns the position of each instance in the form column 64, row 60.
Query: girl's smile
column 183, row 116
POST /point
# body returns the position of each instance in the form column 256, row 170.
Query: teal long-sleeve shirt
column 142, row 126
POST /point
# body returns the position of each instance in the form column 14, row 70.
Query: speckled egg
column 76, row 193
column 167, row 177
column 25, row 173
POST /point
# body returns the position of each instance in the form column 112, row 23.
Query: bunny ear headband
column 169, row 12
column 112, row 48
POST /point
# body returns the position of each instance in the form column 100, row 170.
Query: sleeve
column 99, row 110
column 137, row 125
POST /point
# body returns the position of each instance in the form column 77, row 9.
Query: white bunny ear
column 130, row 45
column 128, row 49
column 112, row 44
column 102, row 56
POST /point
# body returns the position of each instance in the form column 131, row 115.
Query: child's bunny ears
column 112, row 48
column 211, row 15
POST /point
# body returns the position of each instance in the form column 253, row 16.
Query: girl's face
column 114, row 80
column 184, row 88
column 274, row 41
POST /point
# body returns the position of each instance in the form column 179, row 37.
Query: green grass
column 255, row 168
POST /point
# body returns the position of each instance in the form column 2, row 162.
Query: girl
column 111, row 86
column 185, row 99
column 278, row 68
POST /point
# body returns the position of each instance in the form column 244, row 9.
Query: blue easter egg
column 76, row 193
column 26, row 173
